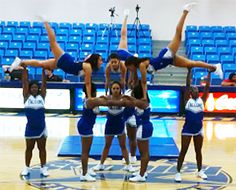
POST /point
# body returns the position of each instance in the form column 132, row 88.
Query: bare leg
column 198, row 141
column 123, row 38
column 131, row 132
column 56, row 49
column 122, row 142
column 143, row 147
column 42, row 150
column 28, row 152
column 176, row 41
column 106, row 148
column 86, row 145
column 185, row 141
column 46, row 64
column 184, row 62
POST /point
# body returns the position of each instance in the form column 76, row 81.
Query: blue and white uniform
column 35, row 113
column 68, row 65
column 193, row 118
column 165, row 58
column 115, row 123
column 145, row 127
column 87, row 121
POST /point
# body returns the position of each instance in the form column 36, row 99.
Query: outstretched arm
column 43, row 85
column 207, row 86
column 25, row 83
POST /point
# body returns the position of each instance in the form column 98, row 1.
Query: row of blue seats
column 214, row 29
column 69, row 26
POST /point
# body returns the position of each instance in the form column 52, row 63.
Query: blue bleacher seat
column 19, row 38
column 231, row 36
column 103, row 33
column 21, row 31
column 115, row 33
column 62, row 39
column 8, row 31
column 144, row 27
column 43, row 46
column 198, row 76
column 118, row 27
column 221, row 43
column 24, row 24
column 3, row 46
column 101, row 48
column 215, row 80
column 113, row 48
column 211, row 51
column 89, row 40
column 229, row 29
column 91, row 26
column 7, row 60
column 32, row 38
column 59, row 72
column 75, row 32
column 87, row 48
column 26, row 54
column 213, row 59
column 191, row 28
column 83, row 55
column 72, row 78
column 192, row 35
column 144, row 41
column 219, row 36
column 114, row 41
column 134, row 33
column 13, row 24
column 73, row 54
column 226, row 74
column 224, row 51
column 206, row 35
column 103, row 26
column 225, row 59
column 65, row 25
column 15, row 45
column 37, row 25
column 75, row 39
column 216, row 29
column 146, row 55
column 41, row 55
column 38, row 74
column 144, row 49
column 104, row 55
column 208, row 43
column 193, row 43
column 204, row 29
column 229, row 67
column 62, row 32
column 72, row 47
column 132, row 41
column 44, row 39
column 198, row 57
column 35, row 31
column 144, row 34
column 11, row 53
column 232, row 43
column 54, row 25
column 132, row 49
column 78, row 26
column 196, row 51
column 102, row 40
column 29, row 46
column 90, row 33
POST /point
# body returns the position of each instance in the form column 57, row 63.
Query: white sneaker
column 15, row 64
column 44, row 171
column 188, row 7
column 137, row 178
column 87, row 177
column 99, row 167
column 202, row 174
column 92, row 172
column 178, row 177
column 129, row 168
column 132, row 159
column 219, row 71
column 137, row 173
column 135, row 55
column 25, row 171
column 126, row 12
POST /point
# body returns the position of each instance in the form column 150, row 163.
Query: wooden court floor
column 219, row 152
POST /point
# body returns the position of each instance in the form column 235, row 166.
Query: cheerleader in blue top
column 167, row 56
column 64, row 61
column 35, row 131
column 194, row 111
column 115, row 126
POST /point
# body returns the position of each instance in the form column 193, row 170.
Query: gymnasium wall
column 162, row 15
